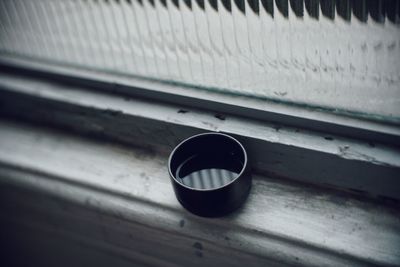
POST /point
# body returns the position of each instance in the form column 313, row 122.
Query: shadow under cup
column 210, row 174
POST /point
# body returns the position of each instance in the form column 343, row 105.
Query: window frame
column 289, row 114
column 329, row 151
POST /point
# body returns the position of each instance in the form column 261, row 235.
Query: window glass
column 342, row 56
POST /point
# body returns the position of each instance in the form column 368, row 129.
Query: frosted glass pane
column 336, row 55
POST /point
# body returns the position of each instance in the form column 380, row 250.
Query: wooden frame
column 127, row 110
column 117, row 200
column 111, row 194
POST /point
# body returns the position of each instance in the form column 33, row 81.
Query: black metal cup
column 210, row 174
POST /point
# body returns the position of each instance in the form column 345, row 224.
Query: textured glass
column 337, row 55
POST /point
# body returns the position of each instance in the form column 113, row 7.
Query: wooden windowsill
column 118, row 199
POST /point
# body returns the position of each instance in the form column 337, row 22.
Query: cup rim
column 199, row 135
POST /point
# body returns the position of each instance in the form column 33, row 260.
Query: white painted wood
column 280, row 150
column 384, row 155
column 121, row 196
column 239, row 105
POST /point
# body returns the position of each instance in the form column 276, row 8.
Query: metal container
column 210, row 174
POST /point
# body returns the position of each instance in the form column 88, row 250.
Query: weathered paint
column 119, row 199
column 281, row 150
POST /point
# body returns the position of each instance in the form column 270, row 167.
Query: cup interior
column 207, row 161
